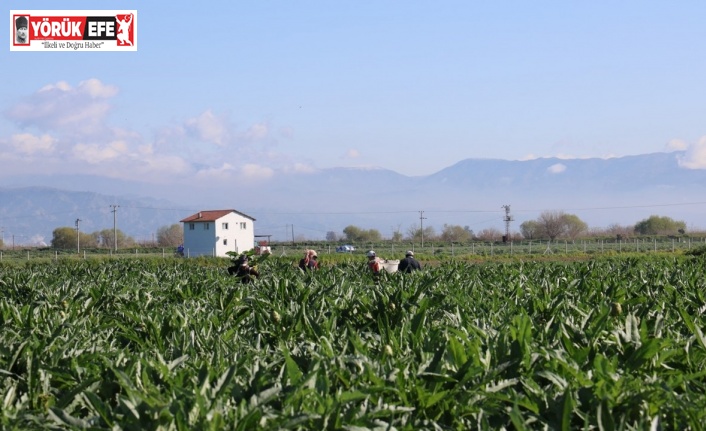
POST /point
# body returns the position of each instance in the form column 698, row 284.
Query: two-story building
column 215, row 232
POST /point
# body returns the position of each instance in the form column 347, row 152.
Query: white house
column 213, row 233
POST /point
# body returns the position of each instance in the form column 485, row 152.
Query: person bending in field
column 374, row 263
column 243, row 270
column 409, row 263
column 309, row 261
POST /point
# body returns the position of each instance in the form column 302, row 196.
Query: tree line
column 550, row 225
column 68, row 237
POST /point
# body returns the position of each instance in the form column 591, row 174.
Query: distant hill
column 470, row 193
column 30, row 214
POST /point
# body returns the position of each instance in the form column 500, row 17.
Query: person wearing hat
column 309, row 261
column 21, row 34
column 374, row 263
column 409, row 263
column 242, row 269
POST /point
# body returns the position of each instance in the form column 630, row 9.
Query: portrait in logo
column 124, row 29
column 21, row 30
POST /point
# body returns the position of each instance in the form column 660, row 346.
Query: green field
column 176, row 344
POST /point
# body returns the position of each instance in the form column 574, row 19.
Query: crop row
column 178, row 344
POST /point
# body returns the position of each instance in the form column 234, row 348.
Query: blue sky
column 237, row 90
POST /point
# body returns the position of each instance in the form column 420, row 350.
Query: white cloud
column 96, row 153
column 352, row 154
column 256, row 132
column 71, row 133
column 695, row 156
column 224, row 172
column 556, row 168
column 61, row 85
column 300, row 168
column 563, row 156
column 677, row 145
column 155, row 164
column 28, row 143
column 256, row 172
column 96, row 89
column 60, row 107
column 208, row 127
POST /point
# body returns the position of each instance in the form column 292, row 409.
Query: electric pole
column 507, row 219
column 421, row 225
column 115, row 230
column 78, row 237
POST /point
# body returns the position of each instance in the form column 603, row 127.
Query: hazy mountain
column 470, row 193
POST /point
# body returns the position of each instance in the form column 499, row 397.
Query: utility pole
column 421, row 225
column 507, row 219
column 115, row 230
column 78, row 236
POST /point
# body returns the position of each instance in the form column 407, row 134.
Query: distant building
column 213, row 233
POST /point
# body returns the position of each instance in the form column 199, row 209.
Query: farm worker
column 244, row 271
column 409, row 263
column 309, row 261
column 374, row 262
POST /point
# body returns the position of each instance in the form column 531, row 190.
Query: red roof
column 211, row 215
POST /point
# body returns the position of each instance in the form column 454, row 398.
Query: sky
column 248, row 89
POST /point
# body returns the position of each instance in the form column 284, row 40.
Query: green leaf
column 63, row 418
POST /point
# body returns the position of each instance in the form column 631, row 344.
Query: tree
column 573, row 226
column 372, row 235
column 356, row 234
column 455, row 233
column 106, row 238
column 414, row 233
column 64, row 238
column 490, row 234
column 656, row 225
column 331, row 236
column 617, row 231
column 170, row 236
column 530, row 229
column 353, row 233
column 551, row 224
column 397, row 234
column 88, row 240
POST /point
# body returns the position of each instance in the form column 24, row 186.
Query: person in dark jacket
column 409, row 263
column 243, row 270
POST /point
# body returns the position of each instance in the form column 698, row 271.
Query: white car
column 345, row 249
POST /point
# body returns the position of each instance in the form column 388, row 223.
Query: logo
column 73, row 30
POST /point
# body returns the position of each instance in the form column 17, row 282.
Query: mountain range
column 469, row 193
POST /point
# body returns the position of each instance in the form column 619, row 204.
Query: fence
column 45, row 253
column 392, row 250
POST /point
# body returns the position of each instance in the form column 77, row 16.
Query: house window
column 224, row 226
column 243, row 225
column 192, row 226
column 225, row 241
column 206, row 226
